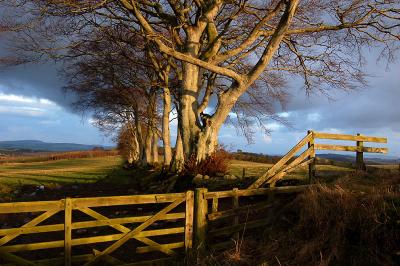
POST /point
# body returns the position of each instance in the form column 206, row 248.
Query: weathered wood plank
column 34, row 206
column 349, row 148
column 126, row 200
column 138, row 229
column 189, row 220
column 152, row 248
column 124, row 229
column 124, row 220
column 32, row 230
column 156, row 262
column 238, row 211
column 276, row 167
column 320, row 135
column 235, row 205
column 33, row 222
column 68, row 232
column 15, row 259
column 290, row 167
column 90, row 240
column 201, row 211
column 256, row 191
column 235, row 228
column 214, row 205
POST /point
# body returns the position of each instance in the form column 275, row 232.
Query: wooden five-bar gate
column 71, row 215
column 122, row 230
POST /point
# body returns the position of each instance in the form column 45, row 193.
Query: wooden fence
column 222, row 217
column 59, row 216
column 200, row 217
column 288, row 163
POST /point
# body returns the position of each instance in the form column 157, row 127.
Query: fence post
column 189, row 220
column 200, row 217
column 67, row 231
column 311, row 166
column 235, row 203
column 360, row 155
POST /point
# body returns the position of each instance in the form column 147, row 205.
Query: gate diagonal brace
column 124, row 229
column 135, row 231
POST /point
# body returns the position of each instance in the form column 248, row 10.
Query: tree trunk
column 165, row 127
column 188, row 122
column 178, row 159
column 155, row 148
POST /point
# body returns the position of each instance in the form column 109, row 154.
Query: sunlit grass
column 83, row 170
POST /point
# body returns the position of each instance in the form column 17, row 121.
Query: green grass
column 83, row 170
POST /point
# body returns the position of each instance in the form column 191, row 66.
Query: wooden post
column 235, row 203
column 68, row 231
column 359, row 155
column 311, row 166
column 189, row 220
column 244, row 173
column 201, row 211
column 214, row 204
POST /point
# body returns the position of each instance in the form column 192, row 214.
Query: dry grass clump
column 341, row 224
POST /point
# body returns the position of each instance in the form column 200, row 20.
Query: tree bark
column 155, row 148
column 165, row 127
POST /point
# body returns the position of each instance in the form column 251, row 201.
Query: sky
column 34, row 106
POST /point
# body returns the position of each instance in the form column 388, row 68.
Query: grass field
column 82, row 170
column 87, row 170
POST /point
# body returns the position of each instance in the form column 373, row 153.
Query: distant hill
column 352, row 159
column 41, row 146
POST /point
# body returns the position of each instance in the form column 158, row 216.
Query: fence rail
column 289, row 162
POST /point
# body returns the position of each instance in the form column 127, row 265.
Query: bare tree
column 236, row 44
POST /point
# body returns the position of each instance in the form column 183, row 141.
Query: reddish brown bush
column 218, row 162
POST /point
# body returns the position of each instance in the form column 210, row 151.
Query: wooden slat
column 152, row 248
column 68, row 232
column 349, row 148
column 276, row 167
column 89, row 240
column 33, row 222
column 135, row 231
column 36, row 206
column 163, row 261
column 238, row 211
column 235, row 228
column 189, row 220
column 320, row 135
column 235, row 205
column 256, row 192
column 291, row 166
column 126, row 200
column 124, row 220
column 124, row 229
column 214, row 205
column 15, row 259
column 32, row 230
column 281, row 174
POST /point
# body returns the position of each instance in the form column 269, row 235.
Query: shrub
column 218, row 162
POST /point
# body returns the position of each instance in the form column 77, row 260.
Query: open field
column 82, row 170
column 89, row 170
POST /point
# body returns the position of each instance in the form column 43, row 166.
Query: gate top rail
column 321, row 135
column 58, row 205
column 254, row 192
